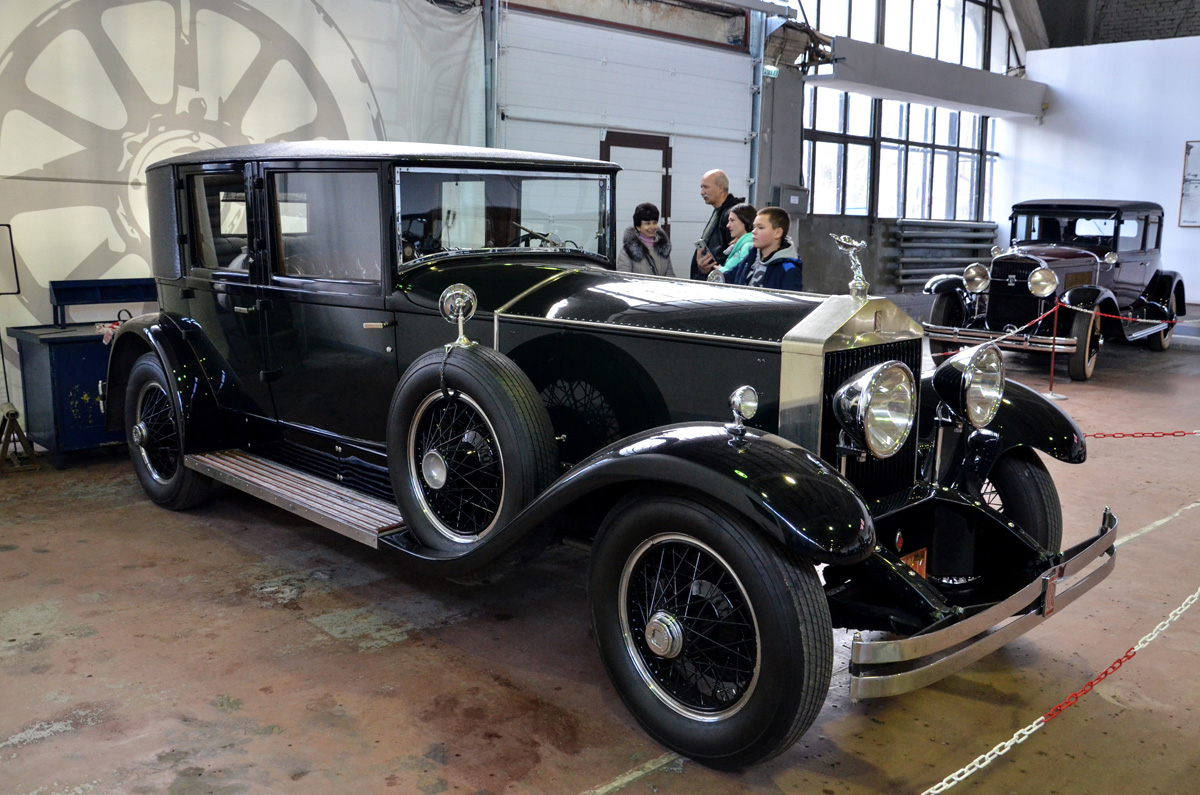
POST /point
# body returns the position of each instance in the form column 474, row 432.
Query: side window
column 1130, row 235
column 328, row 225
column 219, row 220
column 1153, row 230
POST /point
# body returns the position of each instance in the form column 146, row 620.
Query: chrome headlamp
column 877, row 407
column 971, row 383
column 1043, row 282
column 976, row 278
column 744, row 402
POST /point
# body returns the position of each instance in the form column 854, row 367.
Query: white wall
column 564, row 82
column 1118, row 119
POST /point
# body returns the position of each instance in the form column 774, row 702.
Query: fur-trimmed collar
column 636, row 249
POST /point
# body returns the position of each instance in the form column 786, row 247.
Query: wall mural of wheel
column 92, row 92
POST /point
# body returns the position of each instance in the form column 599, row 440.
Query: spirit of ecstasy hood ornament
column 851, row 247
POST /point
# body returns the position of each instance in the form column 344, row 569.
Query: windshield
column 456, row 210
column 1064, row 229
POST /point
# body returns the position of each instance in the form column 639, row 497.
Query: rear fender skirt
column 777, row 486
column 1025, row 419
column 202, row 429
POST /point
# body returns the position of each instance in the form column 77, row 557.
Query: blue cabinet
column 62, row 365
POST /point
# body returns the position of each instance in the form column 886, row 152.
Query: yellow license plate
column 916, row 561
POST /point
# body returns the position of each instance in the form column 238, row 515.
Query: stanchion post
column 1054, row 347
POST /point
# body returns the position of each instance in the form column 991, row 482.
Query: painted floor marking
column 633, row 775
column 1155, row 525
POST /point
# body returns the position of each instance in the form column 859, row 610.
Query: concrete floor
column 238, row 649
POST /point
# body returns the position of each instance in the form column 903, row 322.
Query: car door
column 223, row 282
column 330, row 339
column 1134, row 271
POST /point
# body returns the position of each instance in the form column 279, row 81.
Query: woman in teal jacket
column 741, row 220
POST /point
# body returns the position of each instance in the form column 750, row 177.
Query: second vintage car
column 301, row 353
column 1099, row 259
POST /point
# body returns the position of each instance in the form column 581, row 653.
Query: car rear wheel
column 469, row 445
column 718, row 641
column 1162, row 340
column 1020, row 487
column 155, row 438
column 1085, row 328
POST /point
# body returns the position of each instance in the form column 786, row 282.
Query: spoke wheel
column 469, row 446
column 689, row 627
column 457, row 466
column 155, row 437
column 718, row 640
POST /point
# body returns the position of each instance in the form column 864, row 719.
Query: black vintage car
column 1095, row 256
column 301, row 353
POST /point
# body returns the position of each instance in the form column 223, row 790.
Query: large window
column 892, row 159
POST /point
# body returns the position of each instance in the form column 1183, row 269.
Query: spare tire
column 469, row 445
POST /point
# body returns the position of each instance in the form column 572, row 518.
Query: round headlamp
column 1043, row 282
column 976, row 278
column 971, row 383
column 877, row 407
column 744, row 402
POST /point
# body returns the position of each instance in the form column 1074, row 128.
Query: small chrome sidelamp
column 457, row 304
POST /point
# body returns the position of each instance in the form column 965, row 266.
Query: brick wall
column 1135, row 20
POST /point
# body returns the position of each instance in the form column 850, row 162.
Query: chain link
column 1022, row 735
column 1141, row 434
column 1083, row 311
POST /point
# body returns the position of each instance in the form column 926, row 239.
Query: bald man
column 714, row 190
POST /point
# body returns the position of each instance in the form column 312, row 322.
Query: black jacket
column 784, row 270
column 719, row 238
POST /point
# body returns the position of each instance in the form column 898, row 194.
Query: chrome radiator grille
column 873, row 477
column 1011, row 305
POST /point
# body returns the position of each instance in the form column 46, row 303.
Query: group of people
column 739, row 245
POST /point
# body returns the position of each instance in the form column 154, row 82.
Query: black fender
column 1090, row 296
column 1162, row 285
column 1025, row 419
column 777, row 486
column 945, row 283
column 1100, row 299
column 191, row 392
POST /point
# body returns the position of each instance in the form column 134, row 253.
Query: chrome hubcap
column 664, row 635
column 433, row 469
column 140, row 434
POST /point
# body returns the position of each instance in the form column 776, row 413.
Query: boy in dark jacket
column 774, row 263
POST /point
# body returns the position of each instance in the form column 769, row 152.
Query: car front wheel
column 155, row 438
column 1020, row 487
column 1085, row 328
column 948, row 311
column 718, row 641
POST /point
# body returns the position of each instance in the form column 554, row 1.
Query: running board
column 330, row 505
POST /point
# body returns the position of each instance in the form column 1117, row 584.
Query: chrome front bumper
column 1015, row 342
column 891, row 667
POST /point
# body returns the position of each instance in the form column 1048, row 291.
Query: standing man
column 714, row 189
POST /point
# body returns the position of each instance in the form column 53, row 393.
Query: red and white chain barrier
column 1140, row 434
column 1024, row 734
column 1083, row 311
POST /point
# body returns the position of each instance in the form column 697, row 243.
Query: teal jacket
column 737, row 252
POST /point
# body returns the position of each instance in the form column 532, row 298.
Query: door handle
column 382, row 324
column 245, row 310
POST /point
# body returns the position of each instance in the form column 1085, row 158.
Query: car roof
column 1088, row 205
column 412, row 153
